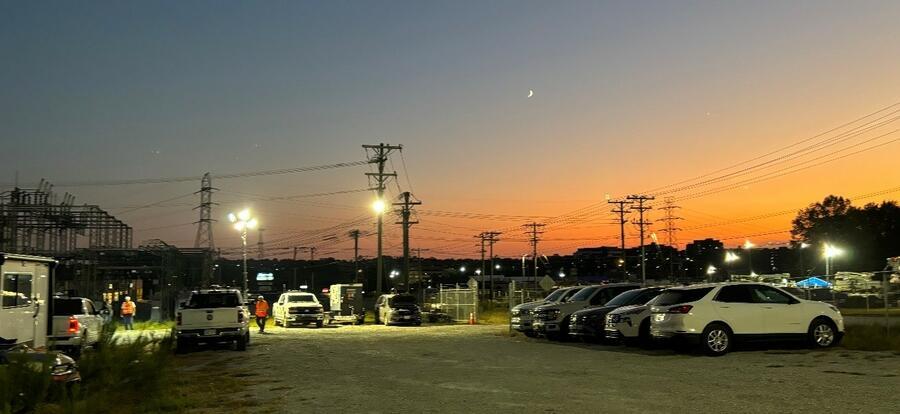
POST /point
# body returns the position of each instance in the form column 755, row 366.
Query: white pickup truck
column 298, row 308
column 212, row 316
column 77, row 324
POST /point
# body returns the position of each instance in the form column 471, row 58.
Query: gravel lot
column 374, row 369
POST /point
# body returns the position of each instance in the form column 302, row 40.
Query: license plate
column 209, row 332
column 407, row 317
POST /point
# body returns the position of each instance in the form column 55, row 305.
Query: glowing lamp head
column 748, row 244
column 244, row 215
column 252, row 223
column 240, row 225
column 378, row 206
column 830, row 251
column 232, row 218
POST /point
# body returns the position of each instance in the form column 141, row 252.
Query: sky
column 628, row 97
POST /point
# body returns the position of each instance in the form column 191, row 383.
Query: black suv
column 397, row 309
column 589, row 323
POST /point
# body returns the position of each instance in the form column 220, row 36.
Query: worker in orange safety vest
column 127, row 312
column 262, row 313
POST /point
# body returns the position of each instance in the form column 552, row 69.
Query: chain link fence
column 458, row 303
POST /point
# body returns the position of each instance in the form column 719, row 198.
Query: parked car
column 590, row 323
column 77, row 324
column 552, row 320
column 397, row 309
column 520, row 317
column 63, row 368
column 630, row 324
column 298, row 308
column 212, row 316
column 716, row 315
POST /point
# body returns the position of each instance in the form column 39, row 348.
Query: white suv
column 715, row 315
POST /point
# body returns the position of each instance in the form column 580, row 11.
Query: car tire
column 644, row 338
column 241, row 343
column 717, row 339
column 822, row 333
column 275, row 321
column 319, row 324
column 182, row 346
column 531, row 334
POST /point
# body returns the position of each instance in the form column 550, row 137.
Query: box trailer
column 25, row 285
column 346, row 302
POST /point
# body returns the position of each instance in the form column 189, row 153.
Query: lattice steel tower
column 204, row 225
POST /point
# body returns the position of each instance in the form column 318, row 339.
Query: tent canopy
column 813, row 282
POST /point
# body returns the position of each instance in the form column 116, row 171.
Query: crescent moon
column 530, row 93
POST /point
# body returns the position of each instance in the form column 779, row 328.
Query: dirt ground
column 378, row 369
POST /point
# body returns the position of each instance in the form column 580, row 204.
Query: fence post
column 886, row 287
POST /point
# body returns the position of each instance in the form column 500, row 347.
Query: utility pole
column 260, row 247
column 312, row 269
column 490, row 237
column 355, row 235
column 483, row 270
column 671, row 238
column 620, row 210
column 380, row 157
column 294, row 286
column 641, row 208
column 534, row 243
column 204, row 225
column 405, row 212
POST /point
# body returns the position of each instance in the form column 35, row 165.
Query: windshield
column 626, row 298
column 402, row 300
column 584, row 294
column 67, row 307
column 569, row 294
column 214, row 300
column 553, row 297
column 301, row 298
column 676, row 296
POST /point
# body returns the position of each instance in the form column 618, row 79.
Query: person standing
column 127, row 312
column 262, row 313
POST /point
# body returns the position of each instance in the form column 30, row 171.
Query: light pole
column 729, row 258
column 379, row 206
column 830, row 251
column 242, row 222
column 710, row 271
column 803, row 245
column 523, row 265
column 748, row 246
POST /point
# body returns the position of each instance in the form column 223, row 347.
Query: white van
column 25, row 283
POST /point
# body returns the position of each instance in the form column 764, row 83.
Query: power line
column 641, row 208
column 379, row 157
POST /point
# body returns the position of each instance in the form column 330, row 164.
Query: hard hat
column 127, row 297
column 260, row 297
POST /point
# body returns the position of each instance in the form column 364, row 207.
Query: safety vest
column 127, row 308
column 262, row 309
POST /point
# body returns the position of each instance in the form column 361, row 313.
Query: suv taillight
column 178, row 318
column 73, row 325
column 240, row 316
column 680, row 309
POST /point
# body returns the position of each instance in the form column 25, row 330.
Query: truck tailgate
column 215, row 317
column 61, row 326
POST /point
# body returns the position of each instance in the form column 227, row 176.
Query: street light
column 830, row 251
column 748, row 246
column 462, row 269
column 710, row 271
column 497, row 266
column 243, row 221
column 730, row 257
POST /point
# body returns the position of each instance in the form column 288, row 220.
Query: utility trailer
column 25, row 284
column 347, row 304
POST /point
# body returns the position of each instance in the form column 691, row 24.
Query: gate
column 458, row 302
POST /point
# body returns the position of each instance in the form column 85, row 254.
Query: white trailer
column 25, row 284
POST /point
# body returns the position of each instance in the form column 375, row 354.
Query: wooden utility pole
column 380, row 157
column 405, row 211
column 641, row 208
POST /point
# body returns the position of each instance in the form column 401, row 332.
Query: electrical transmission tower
column 621, row 210
column 405, row 211
column 641, row 208
column 671, row 231
column 490, row 237
column 204, row 225
column 534, row 233
column 260, row 246
column 379, row 157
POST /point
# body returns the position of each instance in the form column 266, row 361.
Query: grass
column 871, row 338
column 152, row 325
column 892, row 312
column 134, row 377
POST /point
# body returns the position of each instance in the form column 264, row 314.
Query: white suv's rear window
column 678, row 296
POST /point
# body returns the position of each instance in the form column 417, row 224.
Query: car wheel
column 319, row 324
column 644, row 338
column 530, row 334
column 716, row 339
column 276, row 322
column 822, row 333
column 241, row 343
column 182, row 346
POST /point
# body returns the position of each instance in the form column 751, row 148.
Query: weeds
column 871, row 338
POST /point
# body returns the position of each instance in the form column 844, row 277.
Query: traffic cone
column 471, row 318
